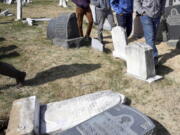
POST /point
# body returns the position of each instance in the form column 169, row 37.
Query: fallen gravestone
column 140, row 62
column 69, row 113
column 118, row 120
column 63, row 31
column 119, row 42
column 24, row 117
column 100, row 113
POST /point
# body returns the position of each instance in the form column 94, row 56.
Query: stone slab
column 119, row 42
column 174, row 43
column 140, row 61
column 63, row 115
column 24, row 117
column 97, row 45
column 118, row 120
column 69, row 43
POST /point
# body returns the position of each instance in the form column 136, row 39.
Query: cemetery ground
column 55, row 73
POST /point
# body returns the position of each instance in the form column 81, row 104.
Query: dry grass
column 55, row 73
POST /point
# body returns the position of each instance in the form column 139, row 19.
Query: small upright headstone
column 96, row 44
column 63, row 3
column 140, row 62
column 119, row 42
column 63, row 30
column 93, row 10
column 19, row 10
column 118, row 120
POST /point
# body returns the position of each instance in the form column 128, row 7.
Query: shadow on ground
column 167, row 56
column 62, row 71
column 164, row 70
column 160, row 129
column 2, row 39
column 7, row 52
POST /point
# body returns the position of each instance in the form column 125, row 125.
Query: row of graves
column 103, row 112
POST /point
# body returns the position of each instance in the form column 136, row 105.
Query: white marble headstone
column 119, row 42
column 60, row 116
column 140, row 62
column 96, row 44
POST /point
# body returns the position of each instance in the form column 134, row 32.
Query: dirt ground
column 55, row 73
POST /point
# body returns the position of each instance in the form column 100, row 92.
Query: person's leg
column 100, row 27
column 9, row 70
column 90, row 21
column 128, row 24
column 121, row 20
column 111, row 19
column 80, row 14
column 149, row 32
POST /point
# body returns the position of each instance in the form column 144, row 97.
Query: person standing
column 124, row 10
column 104, row 11
column 150, row 12
column 81, row 10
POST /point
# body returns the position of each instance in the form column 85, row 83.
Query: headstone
column 140, row 62
column 119, row 42
column 96, row 44
column 137, row 29
column 172, row 14
column 63, row 30
column 63, row 3
column 24, row 117
column 19, row 10
column 61, row 116
column 118, row 120
column 93, row 10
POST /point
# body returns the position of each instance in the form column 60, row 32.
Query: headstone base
column 69, row 43
column 174, row 43
column 149, row 80
column 116, row 54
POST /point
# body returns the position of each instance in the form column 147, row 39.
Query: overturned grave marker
column 100, row 113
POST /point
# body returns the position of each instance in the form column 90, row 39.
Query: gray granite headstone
column 118, row 120
column 63, row 30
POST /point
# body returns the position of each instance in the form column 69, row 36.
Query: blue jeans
column 150, row 28
column 125, row 21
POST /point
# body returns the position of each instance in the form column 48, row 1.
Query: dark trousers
column 80, row 12
column 104, row 14
column 125, row 21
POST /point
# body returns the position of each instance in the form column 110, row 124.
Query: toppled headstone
column 119, row 42
column 118, row 120
column 140, row 62
column 6, row 13
column 61, row 116
column 96, row 44
column 24, row 117
column 32, row 21
column 63, row 31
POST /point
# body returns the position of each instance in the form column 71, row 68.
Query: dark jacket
column 122, row 6
column 151, row 8
column 82, row 3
